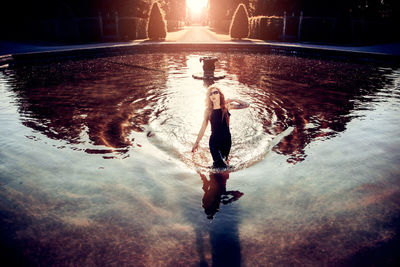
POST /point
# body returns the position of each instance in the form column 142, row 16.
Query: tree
column 223, row 9
column 240, row 23
column 156, row 26
column 173, row 9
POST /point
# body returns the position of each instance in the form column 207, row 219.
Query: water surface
column 96, row 167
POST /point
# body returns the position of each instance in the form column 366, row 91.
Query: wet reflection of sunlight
column 197, row 102
column 286, row 112
column 341, row 200
column 180, row 112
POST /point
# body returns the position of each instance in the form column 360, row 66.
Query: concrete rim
column 24, row 58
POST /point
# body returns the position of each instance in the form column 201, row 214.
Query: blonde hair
column 210, row 106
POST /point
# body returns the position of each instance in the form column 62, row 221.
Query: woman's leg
column 215, row 151
column 226, row 148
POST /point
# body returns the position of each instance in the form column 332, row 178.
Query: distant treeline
column 219, row 9
column 79, row 19
column 50, row 9
column 339, row 21
column 359, row 9
column 17, row 17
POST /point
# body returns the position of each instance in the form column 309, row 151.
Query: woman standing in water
column 217, row 112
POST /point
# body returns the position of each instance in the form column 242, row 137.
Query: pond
column 97, row 170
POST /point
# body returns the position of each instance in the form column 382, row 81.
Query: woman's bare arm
column 201, row 132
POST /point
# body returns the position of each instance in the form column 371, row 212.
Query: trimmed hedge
column 266, row 28
column 372, row 31
column 131, row 28
column 89, row 29
column 292, row 26
column 320, row 29
column 317, row 29
column 128, row 28
column 44, row 30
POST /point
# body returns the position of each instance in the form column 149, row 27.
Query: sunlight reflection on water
column 179, row 112
column 96, row 167
column 65, row 101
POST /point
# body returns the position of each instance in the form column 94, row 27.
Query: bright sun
column 196, row 6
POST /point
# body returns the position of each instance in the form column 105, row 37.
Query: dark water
column 96, row 167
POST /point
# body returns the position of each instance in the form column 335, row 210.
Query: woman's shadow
column 224, row 232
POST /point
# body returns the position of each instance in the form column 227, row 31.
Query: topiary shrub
column 240, row 23
column 156, row 26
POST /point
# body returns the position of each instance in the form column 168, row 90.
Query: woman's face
column 214, row 95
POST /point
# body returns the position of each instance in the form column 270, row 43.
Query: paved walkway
column 193, row 34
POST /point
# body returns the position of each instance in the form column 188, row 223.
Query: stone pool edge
column 303, row 51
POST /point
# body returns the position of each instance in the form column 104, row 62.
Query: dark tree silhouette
column 364, row 9
column 174, row 9
column 156, row 27
column 240, row 23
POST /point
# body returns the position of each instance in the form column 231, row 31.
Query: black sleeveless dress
column 220, row 139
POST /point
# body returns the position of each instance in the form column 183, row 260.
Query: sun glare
column 196, row 6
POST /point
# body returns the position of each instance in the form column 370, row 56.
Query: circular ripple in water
column 178, row 116
column 100, row 105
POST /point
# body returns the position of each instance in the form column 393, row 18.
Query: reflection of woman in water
column 217, row 112
column 215, row 193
